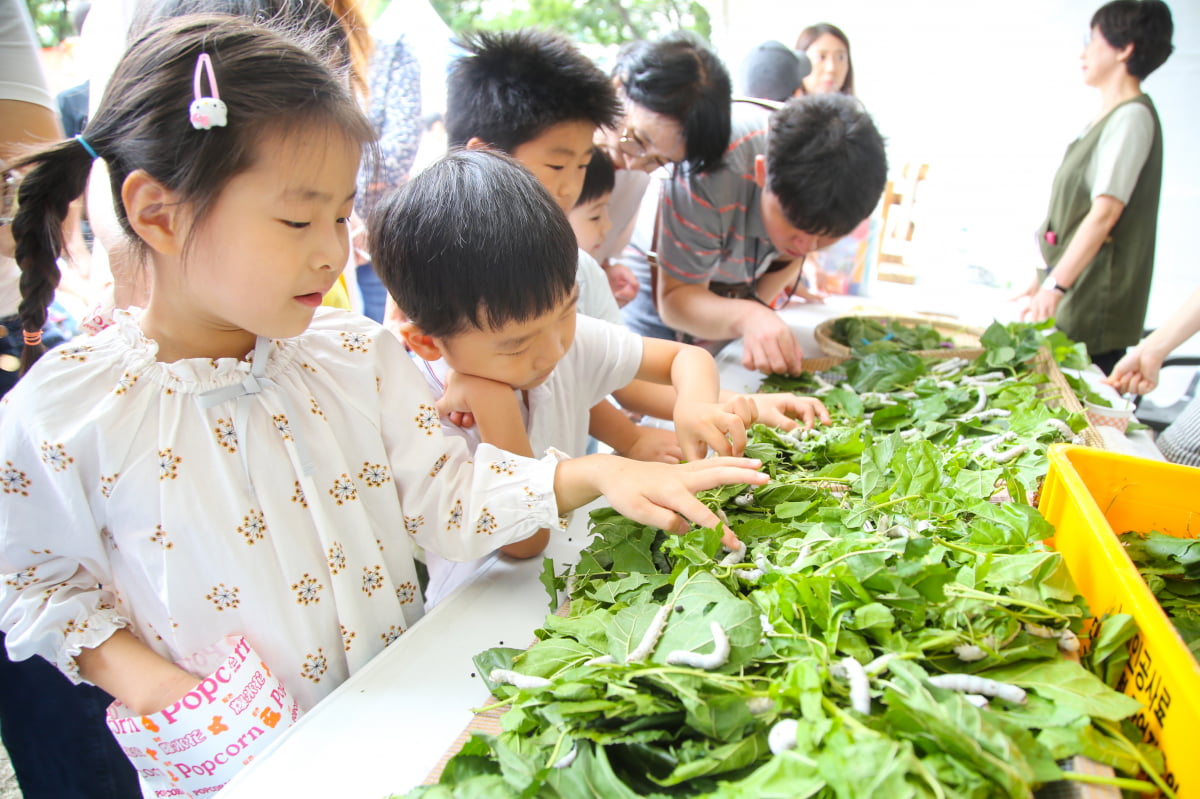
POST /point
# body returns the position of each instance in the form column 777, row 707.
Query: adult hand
column 1043, row 304
column 768, row 344
column 622, row 281
column 784, row 410
column 1136, row 372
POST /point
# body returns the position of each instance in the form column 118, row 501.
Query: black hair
column 814, row 32
column 1146, row 24
column 599, row 179
column 474, row 240
column 511, row 86
column 826, row 163
column 679, row 76
column 270, row 83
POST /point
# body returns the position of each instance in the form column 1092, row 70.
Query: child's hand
column 622, row 281
column 463, row 393
column 654, row 444
column 701, row 425
column 784, row 410
column 659, row 495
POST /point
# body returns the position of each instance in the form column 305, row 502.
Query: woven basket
column 964, row 337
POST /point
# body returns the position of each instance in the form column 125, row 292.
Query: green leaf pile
column 1171, row 567
column 878, row 538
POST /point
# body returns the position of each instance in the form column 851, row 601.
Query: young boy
column 589, row 218
column 482, row 263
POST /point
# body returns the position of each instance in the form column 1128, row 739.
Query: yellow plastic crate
column 1089, row 496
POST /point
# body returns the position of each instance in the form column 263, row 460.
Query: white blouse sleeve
column 54, row 600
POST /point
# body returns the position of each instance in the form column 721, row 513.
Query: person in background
column 828, row 51
column 1097, row 241
column 172, row 477
column 827, row 48
column 772, row 71
column 1137, row 373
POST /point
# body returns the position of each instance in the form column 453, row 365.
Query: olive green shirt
column 1106, row 306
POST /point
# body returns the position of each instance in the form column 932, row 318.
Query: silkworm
column 757, row 705
column 969, row 653
column 822, row 382
column 1010, row 454
column 782, row 736
column 987, row 377
column 908, row 395
column 946, row 385
column 651, row 636
column 567, row 759
column 987, row 413
column 750, row 575
column 910, row 434
column 767, row 627
column 763, row 565
column 1067, row 640
column 860, row 686
column 696, row 660
column 974, row 684
column 878, row 398
column 978, row 700
column 735, row 556
column 880, row 664
column 948, row 366
column 1062, row 427
column 742, row 500
column 980, row 401
column 517, row 680
column 602, row 660
column 899, row 531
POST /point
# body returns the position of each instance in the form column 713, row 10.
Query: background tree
column 51, row 20
column 600, row 22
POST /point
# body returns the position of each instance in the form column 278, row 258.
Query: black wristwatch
column 1049, row 284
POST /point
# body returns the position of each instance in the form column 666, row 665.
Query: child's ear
column 476, row 143
column 420, row 342
column 760, row 171
column 154, row 213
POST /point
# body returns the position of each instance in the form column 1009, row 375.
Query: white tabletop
column 384, row 729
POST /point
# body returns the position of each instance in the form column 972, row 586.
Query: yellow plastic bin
column 1090, row 495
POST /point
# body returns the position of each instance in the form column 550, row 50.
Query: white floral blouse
column 197, row 499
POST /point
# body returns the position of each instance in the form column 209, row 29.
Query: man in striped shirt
column 795, row 178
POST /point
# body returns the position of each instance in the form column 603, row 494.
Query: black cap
column 772, row 71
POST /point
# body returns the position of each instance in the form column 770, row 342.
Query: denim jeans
column 56, row 735
column 374, row 295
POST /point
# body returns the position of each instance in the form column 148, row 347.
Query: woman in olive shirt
column 1098, row 238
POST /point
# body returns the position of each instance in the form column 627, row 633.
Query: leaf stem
column 1138, row 786
column 840, row 558
column 1115, row 731
column 970, row 593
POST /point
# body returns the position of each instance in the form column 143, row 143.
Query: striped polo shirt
column 711, row 226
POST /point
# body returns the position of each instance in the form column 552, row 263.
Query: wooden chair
column 893, row 260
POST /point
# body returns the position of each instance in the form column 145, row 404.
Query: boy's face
column 521, row 354
column 789, row 240
column 591, row 223
column 559, row 158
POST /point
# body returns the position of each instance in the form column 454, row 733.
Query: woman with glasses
column 1098, row 238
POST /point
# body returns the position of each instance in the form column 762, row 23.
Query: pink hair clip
column 206, row 112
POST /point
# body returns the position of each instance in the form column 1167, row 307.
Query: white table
column 384, row 729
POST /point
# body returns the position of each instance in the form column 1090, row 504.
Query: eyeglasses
column 8, row 196
column 632, row 145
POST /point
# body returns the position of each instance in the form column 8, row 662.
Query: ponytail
column 58, row 177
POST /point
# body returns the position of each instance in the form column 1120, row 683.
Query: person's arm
column 133, row 673
column 1137, row 371
column 22, row 125
column 610, row 425
column 497, row 416
column 768, row 344
column 655, row 494
column 1088, row 239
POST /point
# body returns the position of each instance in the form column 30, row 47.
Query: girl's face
column 273, row 244
column 591, row 223
column 830, row 60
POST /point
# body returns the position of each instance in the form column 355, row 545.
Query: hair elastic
column 32, row 339
column 206, row 112
column 90, row 150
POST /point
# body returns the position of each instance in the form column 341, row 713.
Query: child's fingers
column 736, row 434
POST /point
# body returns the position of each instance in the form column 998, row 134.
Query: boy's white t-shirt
column 595, row 295
column 603, row 358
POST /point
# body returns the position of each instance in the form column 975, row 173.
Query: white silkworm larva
column 822, row 382
column 651, row 636
column 1062, row 427
column 1067, row 640
column 764, row 565
column 750, row 575
column 767, row 627
column 758, row 705
column 878, row 398
column 735, row 556
column 978, row 700
column 518, row 680
column 602, row 660
column 980, row 401
column 567, row 759
column 974, row 684
column 880, row 664
column 908, row 395
column 860, row 686
column 969, row 653
column 742, row 500
column 988, row 413
column 948, row 366
column 946, row 385
column 713, row 660
column 1010, row 454
column 910, row 434
column 987, row 377
column 782, row 736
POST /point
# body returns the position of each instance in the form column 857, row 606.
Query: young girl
column 225, row 462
